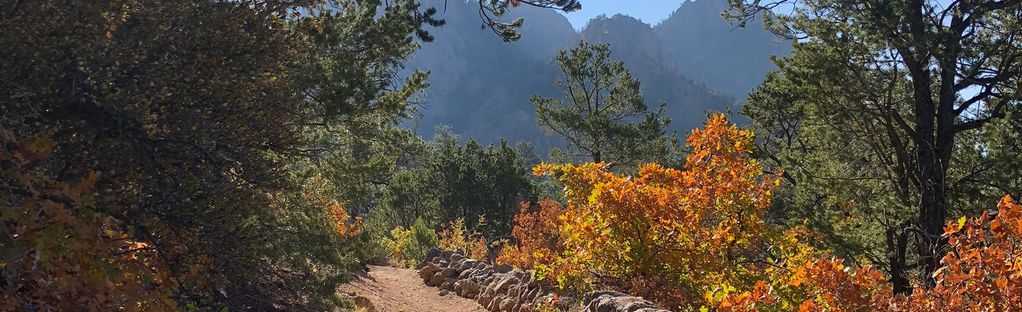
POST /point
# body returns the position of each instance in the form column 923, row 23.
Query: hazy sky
column 649, row 11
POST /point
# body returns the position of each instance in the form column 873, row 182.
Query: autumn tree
column 194, row 125
column 669, row 235
column 537, row 240
column 979, row 271
column 922, row 77
column 602, row 115
column 57, row 244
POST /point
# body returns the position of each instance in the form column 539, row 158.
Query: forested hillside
column 715, row 51
column 225, row 155
column 695, row 61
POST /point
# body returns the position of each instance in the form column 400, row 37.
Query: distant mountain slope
column 481, row 86
column 708, row 48
column 635, row 43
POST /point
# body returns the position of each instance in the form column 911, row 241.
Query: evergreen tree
column 602, row 114
column 908, row 85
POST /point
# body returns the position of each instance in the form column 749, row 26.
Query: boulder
column 503, row 268
column 507, row 304
column 456, row 264
column 565, row 303
column 432, row 256
column 500, row 286
column 494, row 305
column 467, row 264
column 466, row 274
column 437, row 280
column 427, row 271
column 612, row 301
column 448, row 272
column 466, row 288
column 449, row 284
column 446, row 254
column 631, row 304
column 518, row 273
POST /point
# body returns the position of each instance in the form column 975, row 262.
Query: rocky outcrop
column 506, row 289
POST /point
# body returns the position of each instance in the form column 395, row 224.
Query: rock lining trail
column 390, row 289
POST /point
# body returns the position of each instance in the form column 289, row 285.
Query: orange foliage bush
column 536, row 236
column 343, row 227
column 982, row 271
column 59, row 253
column 666, row 234
column 695, row 238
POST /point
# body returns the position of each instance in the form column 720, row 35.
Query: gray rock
column 427, row 271
column 432, row 255
column 468, row 264
column 503, row 268
column 566, row 303
column 507, row 304
column 466, row 288
column 433, row 252
column 631, row 304
column 592, row 295
column 502, row 285
column 448, row 272
column 436, row 280
column 446, row 254
column 466, row 274
column 449, row 284
column 485, row 298
column 494, row 305
column 615, row 302
column 519, row 274
column 456, row 264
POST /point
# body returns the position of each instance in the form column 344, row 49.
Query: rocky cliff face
column 647, row 58
column 506, row 289
column 480, row 86
column 708, row 48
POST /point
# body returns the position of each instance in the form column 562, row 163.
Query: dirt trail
column 401, row 290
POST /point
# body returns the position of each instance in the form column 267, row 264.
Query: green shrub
column 408, row 246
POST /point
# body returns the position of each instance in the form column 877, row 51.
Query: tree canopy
column 602, row 115
column 913, row 84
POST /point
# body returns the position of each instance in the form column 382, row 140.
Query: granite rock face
column 502, row 288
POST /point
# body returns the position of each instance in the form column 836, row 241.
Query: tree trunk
column 897, row 245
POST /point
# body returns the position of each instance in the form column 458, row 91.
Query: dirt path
column 401, row 290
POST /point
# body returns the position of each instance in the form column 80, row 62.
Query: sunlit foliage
column 667, row 234
column 980, row 271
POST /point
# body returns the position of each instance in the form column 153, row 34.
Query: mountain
column 480, row 86
column 709, row 48
column 645, row 56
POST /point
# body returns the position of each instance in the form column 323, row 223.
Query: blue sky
column 649, row 11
